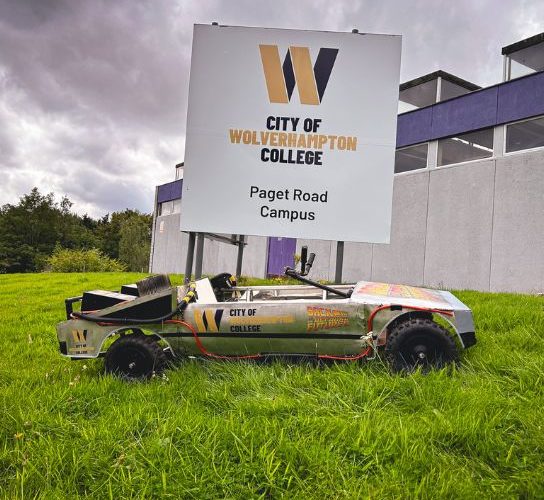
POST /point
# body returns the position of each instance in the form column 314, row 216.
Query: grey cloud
column 94, row 188
column 114, row 59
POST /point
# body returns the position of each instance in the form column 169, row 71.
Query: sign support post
column 339, row 262
column 189, row 258
column 241, row 244
column 199, row 255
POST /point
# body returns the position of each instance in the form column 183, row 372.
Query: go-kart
column 145, row 326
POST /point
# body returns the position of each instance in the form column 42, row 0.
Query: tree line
column 38, row 227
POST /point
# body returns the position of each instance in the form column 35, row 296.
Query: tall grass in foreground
column 246, row 430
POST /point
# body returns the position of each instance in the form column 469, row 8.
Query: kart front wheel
column 419, row 343
column 135, row 357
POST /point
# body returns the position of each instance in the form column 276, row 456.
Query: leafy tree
column 89, row 222
column 30, row 231
column 135, row 242
column 109, row 231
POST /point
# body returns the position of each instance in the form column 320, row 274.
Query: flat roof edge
column 523, row 44
column 442, row 74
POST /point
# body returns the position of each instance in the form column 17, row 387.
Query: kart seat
column 204, row 292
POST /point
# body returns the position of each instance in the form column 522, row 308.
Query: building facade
column 468, row 197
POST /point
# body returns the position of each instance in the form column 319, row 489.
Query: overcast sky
column 93, row 93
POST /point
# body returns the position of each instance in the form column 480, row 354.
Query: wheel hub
column 135, row 362
column 421, row 352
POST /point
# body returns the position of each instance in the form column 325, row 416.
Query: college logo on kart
column 79, row 345
column 208, row 320
column 297, row 69
column 79, row 336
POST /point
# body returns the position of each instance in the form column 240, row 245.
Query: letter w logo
column 79, row 336
column 208, row 320
column 297, row 67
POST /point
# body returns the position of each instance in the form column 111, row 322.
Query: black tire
column 419, row 343
column 135, row 357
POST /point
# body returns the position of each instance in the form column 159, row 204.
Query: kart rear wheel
column 135, row 357
column 419, row 343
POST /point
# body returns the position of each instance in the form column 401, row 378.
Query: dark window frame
column 463, row 139
column 418, row 169
column 522, row 150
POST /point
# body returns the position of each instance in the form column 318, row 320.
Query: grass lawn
column 212, row 429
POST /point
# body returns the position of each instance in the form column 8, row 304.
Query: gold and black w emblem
column 79, row 336
column 296, row 69
column 208, row 320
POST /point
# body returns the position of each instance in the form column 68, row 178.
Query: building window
column 518, row 69
column 523, row 57
column 176, row 208
column 411, row 158
column 179, row 171
column 166, row 208
column 170, row 207
column 465, row 147
column 528, row 134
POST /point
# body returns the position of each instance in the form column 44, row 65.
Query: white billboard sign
column 291, row 133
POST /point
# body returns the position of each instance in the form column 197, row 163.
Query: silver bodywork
column 277, row 320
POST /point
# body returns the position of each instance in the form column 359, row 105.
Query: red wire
column 203, row 350
column 362, row 354
column 367, row 351
column 416, row 308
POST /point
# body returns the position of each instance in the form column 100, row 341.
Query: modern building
column 468, row 196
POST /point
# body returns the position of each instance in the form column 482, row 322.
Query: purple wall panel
column 281, row 253
column 503, row 103
column 469, row 112
column 521, row 98
column 170, row 191
column 414, row 127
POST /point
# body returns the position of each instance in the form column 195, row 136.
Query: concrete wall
column 478, row 225
column 517, row 262
column 169, row 251
column 458, row 243
column 169, row 245
column 403, row 260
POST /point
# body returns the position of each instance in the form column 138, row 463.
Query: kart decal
column 323, row 318
column 247, row 321
column 264, row 320
column 399, row 291
column 80, row 346
column 81, row 350
column 79, row 336
column 243, row 316
column 208, row 320
column 239, row 321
